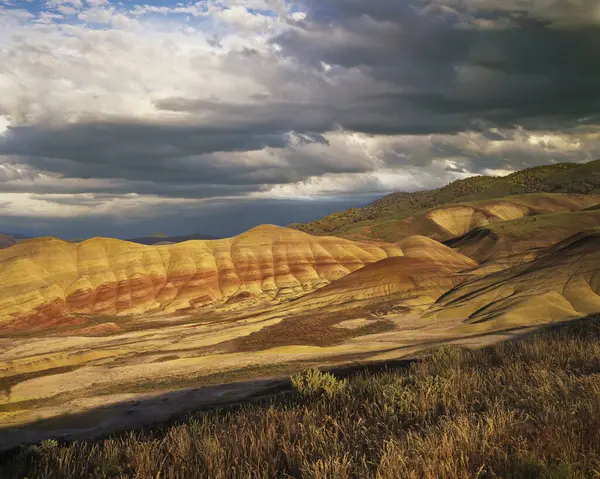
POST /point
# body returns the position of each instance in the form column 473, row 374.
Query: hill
column 104, row 335
column 136, row 332
column 566, row 178
column 46, row 281
column 374, row 299
column 425, row 271
column 453, row 220
column 506, row 239
column 563, row 282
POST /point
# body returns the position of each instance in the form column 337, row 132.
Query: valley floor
column 78, row 387
column 525, row 408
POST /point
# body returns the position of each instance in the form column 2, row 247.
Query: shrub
column 313, row 382
column 49, row 445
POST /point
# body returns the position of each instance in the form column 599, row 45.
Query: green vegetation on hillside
column 559, row 178
column 524, row 234
column 572, row 222
column 523, row 409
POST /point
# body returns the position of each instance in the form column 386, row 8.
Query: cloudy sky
column 120, row 118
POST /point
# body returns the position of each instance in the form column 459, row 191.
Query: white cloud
column 4, row 124
column 13, row 16
column 67, row 72
column 57, row 4
column 85, row 205
column 238, row 16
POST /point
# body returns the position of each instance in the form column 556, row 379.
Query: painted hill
column 512, row 238
column 562, row 283
column 413, row 281
column 46, row 280
column 566, row 178
column 375, row 299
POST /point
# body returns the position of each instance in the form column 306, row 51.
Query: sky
column 123, row 118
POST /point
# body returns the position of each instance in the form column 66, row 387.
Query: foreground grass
column 525, row 409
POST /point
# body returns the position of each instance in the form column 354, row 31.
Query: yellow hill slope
column 413, row 281
column 46, row 280
column 509, row 238
column 353, row 305
column 562, row 283
column 450, row 221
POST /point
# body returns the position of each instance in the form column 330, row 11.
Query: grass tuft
column 314, row 383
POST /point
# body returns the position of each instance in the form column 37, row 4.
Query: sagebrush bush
column 313, row 382
column 523, row 409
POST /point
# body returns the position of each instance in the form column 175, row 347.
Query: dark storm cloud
column 130, row 150
column 181, row 219
column 172, row 159
column 428, row 72
column 450, row 62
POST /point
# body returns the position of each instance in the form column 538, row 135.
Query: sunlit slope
column 45, row 280
column 427, row 270
column 507, row 238
column 562, row 283
column 375, row 299
column 451, row 221
column 567, row 178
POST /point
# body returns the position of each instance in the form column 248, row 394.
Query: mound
column 562, row 283
column 415, row 280
column 510, row 238
column 365, row 302
column 47, row 280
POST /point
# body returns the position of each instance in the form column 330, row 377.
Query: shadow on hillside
column 165, row 408
column 162, row 409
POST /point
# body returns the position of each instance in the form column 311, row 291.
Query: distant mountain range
column 159, row 238
column 10, row 239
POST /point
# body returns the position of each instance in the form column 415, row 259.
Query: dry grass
column 310, row 330
column 525, row 409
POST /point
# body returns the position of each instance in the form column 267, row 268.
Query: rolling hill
column 425, row 271
column 450, row 221
column 391, row 218
column 46, row 280
column 505, row 239
column 122, row 328
column 563, row 282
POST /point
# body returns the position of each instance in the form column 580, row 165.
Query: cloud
column 134, row 111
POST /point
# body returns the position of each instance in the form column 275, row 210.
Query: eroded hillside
column 563, row 282
column 48, row 282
